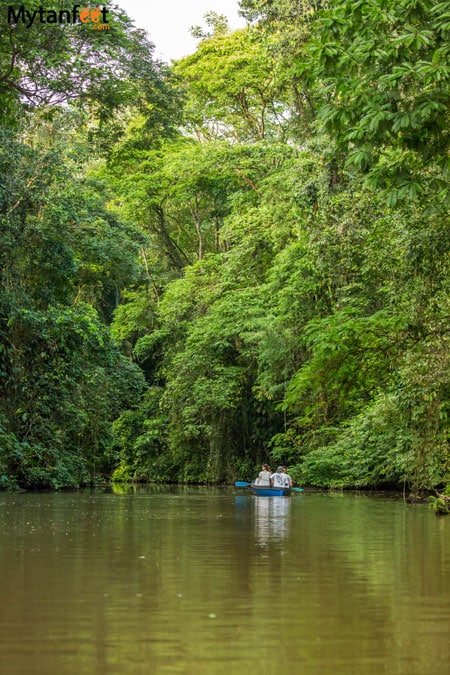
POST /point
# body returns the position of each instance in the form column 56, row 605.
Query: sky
column 168, row 21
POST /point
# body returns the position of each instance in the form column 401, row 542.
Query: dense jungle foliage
column 243, row 257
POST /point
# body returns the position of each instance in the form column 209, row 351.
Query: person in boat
column 287, row 478
column 280, row 478
column 264, row 476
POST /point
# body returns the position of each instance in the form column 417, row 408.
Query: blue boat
column 266, row 491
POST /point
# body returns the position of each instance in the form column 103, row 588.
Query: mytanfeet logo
column 94, row 17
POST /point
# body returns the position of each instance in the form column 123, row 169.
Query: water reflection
column 271, row 518
column 164, row 579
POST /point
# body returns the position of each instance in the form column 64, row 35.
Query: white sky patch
column 168, row 21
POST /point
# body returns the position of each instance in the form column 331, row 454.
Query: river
column 159, row 579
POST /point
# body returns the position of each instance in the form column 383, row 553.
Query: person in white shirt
column 280, row 478
column 264, row 476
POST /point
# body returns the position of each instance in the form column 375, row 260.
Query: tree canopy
column 241, row 258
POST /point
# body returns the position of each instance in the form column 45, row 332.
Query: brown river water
column 190, row 580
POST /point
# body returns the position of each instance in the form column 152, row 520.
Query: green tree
column 217, row 25
column 63, row 379
column 45, row 65
column 235, row 88
column 385, row 67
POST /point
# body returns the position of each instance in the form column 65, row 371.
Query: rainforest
column 242, row 257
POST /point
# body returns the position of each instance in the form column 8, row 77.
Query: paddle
column 241, row 483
